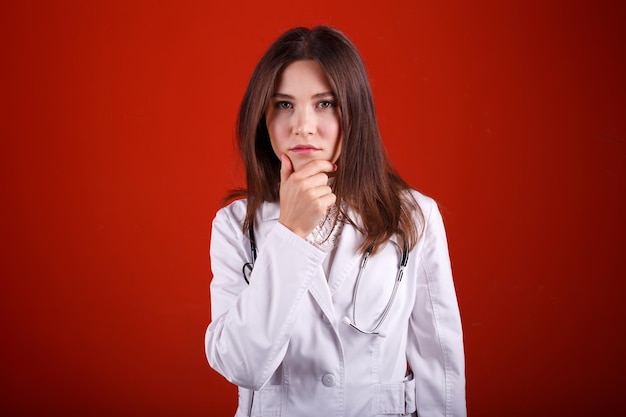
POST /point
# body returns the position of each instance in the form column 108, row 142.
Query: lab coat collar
column 270, row 211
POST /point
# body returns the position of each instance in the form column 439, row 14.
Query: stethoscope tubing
column 375, row 330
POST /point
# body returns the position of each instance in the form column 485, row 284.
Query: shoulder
column 424, row 205
column 235, row 209
column 231, row 215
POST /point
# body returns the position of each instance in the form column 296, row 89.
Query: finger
column 309, row 183
column 327, row 200
column 319, row 191
column 315, row 167
column 286, row 168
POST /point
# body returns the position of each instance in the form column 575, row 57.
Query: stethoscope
column 248, row 266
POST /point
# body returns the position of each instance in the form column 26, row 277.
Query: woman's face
column 302, row 117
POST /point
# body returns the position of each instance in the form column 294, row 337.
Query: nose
column 304, row 121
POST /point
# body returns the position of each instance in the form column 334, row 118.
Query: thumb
column 286, row 168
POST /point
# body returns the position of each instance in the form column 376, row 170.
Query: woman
column 332, row 292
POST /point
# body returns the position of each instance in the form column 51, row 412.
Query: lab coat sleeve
column 251, row 324
column 435, row 348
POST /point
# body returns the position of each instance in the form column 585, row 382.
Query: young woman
column 332, row 292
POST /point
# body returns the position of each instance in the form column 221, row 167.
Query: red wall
column 116, row 134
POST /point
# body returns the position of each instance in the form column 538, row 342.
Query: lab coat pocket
column 395, row 399
column 267, row 402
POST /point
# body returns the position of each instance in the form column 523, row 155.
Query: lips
column 304, row 149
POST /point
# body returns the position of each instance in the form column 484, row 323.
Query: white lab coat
column 283, row 341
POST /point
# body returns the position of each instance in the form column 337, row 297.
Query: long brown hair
column 366, row 180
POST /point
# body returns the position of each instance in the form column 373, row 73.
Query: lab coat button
column 328, row 380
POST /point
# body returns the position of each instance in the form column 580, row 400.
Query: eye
column 326, row 104
column 283, row 105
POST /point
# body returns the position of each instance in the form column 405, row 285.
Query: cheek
column 276, row 126
column 331, row 126
column 275, row 130
column 269, row 124
column 339, row 140
column 337, row 149
column 334, row 131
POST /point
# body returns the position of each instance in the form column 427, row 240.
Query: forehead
column 303, row 76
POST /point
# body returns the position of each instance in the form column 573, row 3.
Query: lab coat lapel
column 346, row 258
column 318, row 286
column 321, row 293
column 344, row 262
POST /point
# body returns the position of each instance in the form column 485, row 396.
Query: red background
column 116, row 131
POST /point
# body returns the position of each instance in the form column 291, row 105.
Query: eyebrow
column 318, row 95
